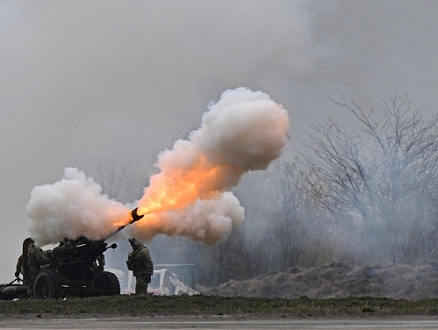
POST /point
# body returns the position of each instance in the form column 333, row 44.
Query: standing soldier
column 22, row 267
column 140, row 262
column 36, row 260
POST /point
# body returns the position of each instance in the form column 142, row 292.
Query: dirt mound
column 339, row 280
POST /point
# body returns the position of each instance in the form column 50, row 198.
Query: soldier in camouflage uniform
column 36, row 261
column 140, row 262
column 22, row 267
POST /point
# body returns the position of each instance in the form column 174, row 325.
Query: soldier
column 22, row 267
column 36, row 261
column 140, row 262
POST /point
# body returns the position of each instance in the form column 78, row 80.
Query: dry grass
column 339, row 280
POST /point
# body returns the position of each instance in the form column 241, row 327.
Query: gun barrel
column 135, row 217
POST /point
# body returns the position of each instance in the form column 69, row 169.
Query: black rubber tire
column 46, row 285
column 106, row 284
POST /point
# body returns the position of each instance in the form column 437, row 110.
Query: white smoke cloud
column 243, row 128
column 190, row 196
column 72, row 207
column 243, row 131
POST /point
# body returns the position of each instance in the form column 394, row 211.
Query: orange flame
column 178, row 188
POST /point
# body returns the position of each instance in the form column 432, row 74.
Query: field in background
column 339, row 280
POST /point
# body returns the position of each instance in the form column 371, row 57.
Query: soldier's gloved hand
column 17, row 274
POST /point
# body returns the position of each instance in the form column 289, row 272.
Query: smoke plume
column 73, row 207
column 190, row 195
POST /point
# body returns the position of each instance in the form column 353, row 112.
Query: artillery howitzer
column 74, row 270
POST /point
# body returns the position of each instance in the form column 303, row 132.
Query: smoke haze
column 83, row 81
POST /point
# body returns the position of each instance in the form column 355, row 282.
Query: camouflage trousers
column 31, row 284
column 141, row 283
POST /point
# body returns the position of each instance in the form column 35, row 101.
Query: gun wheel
column 106, row 284
column 46, row 285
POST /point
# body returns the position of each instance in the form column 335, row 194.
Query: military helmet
column 134, row 242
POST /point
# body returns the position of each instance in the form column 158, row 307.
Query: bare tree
column 284, row 226
column 379, row 177
column 299, row 225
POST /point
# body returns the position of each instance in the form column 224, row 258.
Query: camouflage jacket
column 139, row 261
column 36, row 259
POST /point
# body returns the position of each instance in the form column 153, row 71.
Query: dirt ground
column 340, row 280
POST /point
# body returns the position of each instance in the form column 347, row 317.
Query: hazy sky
column 81, row 79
